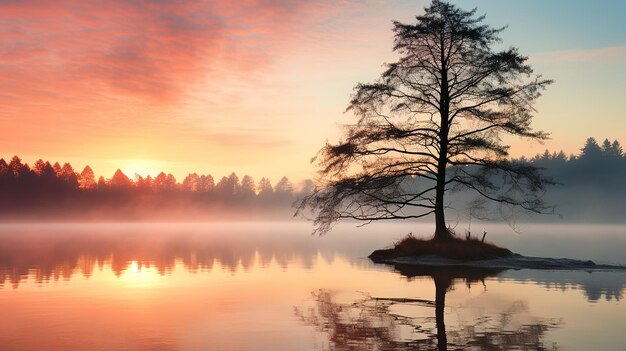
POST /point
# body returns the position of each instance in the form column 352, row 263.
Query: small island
column 471, row 253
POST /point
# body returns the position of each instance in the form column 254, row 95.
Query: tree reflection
column 45, row 255
column 374, row 323
column 594, row 285
column 61, row 253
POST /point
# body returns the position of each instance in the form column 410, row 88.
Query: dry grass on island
column 459, row 249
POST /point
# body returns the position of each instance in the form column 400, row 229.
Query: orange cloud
column 201, row 82
column 149, row 49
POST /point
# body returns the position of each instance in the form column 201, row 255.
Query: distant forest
column 52, row 191
column 591, row 187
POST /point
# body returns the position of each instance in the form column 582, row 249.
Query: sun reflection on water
column 140, row 275
column 175, row 290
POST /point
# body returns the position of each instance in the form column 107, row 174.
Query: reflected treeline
column 48, row 255
column 375, row 323
column 53, row 252
column 595, row 286
column 46, row 190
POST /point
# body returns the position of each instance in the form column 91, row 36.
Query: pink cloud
column 84, row 72
column 148, row 49
column 201, row 80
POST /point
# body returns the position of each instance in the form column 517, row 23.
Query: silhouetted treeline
column 595, row 164
column 48, row 190
column 591, row 185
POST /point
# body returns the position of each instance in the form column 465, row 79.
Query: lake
column 273, row 286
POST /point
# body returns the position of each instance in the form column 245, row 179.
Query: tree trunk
column 441, row 231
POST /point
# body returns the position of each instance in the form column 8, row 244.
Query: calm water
column 273, row 286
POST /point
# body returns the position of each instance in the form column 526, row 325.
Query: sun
column 143, row 168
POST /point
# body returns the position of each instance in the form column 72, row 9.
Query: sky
column 258, row 86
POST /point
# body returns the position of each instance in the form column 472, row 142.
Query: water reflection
column 596, row 285
column 45, row 255
column 389, row 323
column 234, row 286
column 58, row 252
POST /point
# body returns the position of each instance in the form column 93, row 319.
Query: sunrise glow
column 143, row 168
column 256, row 87
column 298, row 175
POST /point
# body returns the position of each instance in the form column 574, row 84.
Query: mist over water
column 268, row 285
column 178, row 240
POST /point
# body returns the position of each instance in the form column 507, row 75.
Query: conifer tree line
column 46, row 190
column 599, row 166
column 592, row 151
column 588, row 187
column 27, row 189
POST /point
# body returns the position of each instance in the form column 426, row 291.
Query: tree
column 284, row 186
column 147, row 183
column 265, row 187
column 591, row 151
column 69, row 176
column 561, row 156
column 39, row 167
column 616, row 149
column 48, row 174
column 612, row 150
column 435, row 116
column 170, row 182
column 160, row 181
column 207, row 183
column 248, row 188
column 4, row 167
column 191, row 182
column 120, row 180
column 607, row 148
column 57, row 167
column 87, row 178
column 16, row 166
column 229, row 186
